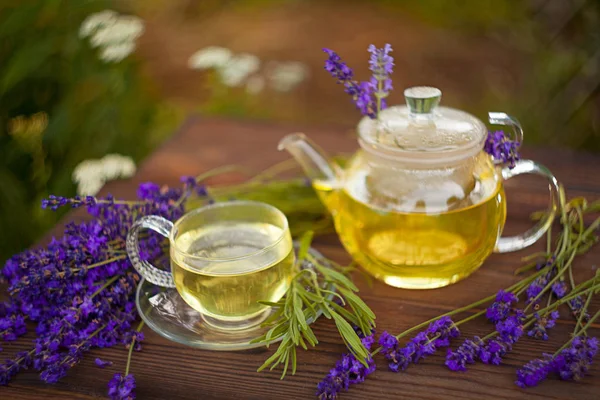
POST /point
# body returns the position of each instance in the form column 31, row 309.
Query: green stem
column 107, row 284
column 379, row 90
column 139, row 328
column 477, row 314
column 582, row 314
column 101, row 263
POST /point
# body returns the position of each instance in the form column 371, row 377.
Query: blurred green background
column 63, row 99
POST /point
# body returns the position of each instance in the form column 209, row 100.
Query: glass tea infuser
column 421, row 205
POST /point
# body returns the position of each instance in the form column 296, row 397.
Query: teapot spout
column 311, row 158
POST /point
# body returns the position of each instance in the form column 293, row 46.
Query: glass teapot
column 421, row 205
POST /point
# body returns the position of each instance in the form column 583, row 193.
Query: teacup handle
column 518, row 242
column 147, row 270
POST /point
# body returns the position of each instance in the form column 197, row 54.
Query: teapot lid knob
column 422, row 99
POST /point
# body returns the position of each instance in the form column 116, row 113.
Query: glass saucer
column 167, row 314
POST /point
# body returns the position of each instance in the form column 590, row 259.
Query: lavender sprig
column 381, row 64
column 570, row 362
column 368, row 96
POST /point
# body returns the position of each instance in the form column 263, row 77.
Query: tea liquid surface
column 420, row 250
column 229, row 290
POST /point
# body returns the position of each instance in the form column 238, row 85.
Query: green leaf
column 336, row 277
column 350, row 337
column 353, row 298
column 346, row 314
column 305, row 242
column 294, row 360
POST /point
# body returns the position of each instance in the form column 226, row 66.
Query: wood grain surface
column 166, row 370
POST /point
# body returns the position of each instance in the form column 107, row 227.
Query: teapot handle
column 518, row 242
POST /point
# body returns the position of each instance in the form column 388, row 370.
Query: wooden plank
column 166, row 370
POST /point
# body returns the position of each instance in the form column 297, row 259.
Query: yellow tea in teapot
column 421, row 249
column 230, row 289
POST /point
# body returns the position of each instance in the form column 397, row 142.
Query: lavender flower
column 534, row 372
column 559, row 289
column 102, row 364
column 493, row 351
column 536, row 287
column 576, row 305
column 465, row 354
column 121, row 387
column 438, row 334
column 542, row 324
column 442, row 331
column 348, row 371
column 381, row 64
column 369, row 96
column 510, row 329
column 500, row 309
column 573, row 362
column 501, row 148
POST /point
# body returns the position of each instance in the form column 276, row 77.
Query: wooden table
column 166, row 370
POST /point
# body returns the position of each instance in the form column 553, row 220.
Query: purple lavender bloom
column 55, row 202
column 362, row 93
column 560, row 289
column 397, row 357
column 438, row 334
column 102, row 364
column 382, row 64
column 501, row 148
column 576, row 305
column 573, row 362
column 542, row 324
column 465, row 354
column 348, row 371
column 121, row 387
column 510, row 329
column 148, row 191
column 536, row 287
column 444, row 329
column 535, row 371
column 12, row 367
column 500, row 309
column 493, row 351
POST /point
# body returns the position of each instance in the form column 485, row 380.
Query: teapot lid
column 422, row 131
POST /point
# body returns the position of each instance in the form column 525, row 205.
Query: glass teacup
column 225, row 258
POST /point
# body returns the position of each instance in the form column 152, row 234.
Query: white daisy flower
column 210, row 57
column 114, row 34
column 117, row 52
column 286, row 75
column 91, row 175
column 238, row 69
column 97, row 20
column 117, row 166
